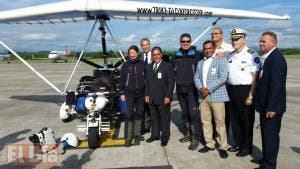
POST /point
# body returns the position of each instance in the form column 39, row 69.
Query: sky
column 164, row 34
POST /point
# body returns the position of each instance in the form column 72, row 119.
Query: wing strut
column 80, row 56
column 30, row 67
column 114, row 39
column 207, row 29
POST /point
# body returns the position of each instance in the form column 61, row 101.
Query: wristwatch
column 250, row 97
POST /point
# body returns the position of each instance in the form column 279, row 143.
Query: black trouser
column 227, row 117
column 133, row 118
column 187, row 97
column 146, row 120
column 242, row 117
column 270, row 129
column 227, row 114
column 160, row 121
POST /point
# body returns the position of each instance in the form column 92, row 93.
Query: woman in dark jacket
column 132, row 89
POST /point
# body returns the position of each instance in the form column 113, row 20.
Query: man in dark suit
column 146, row 55
column 159, row 91
column 270, row 99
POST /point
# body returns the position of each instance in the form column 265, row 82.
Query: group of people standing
column 219, row 87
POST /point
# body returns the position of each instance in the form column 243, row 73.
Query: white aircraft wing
column 81, row 10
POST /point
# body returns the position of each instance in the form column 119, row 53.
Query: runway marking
column 107, row 140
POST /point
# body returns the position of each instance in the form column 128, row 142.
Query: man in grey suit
column 210, row 79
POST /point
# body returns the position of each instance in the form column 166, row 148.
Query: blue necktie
column 146, row 59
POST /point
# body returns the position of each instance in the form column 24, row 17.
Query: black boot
column 137, row 131
column 187, row 136
column 128, row 142
column 139, row 138
column 128, row 133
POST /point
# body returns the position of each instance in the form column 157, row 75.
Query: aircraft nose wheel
column 93, row 137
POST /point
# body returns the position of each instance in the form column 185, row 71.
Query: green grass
column 99, row 61
column 46, row 60
column 292, row 56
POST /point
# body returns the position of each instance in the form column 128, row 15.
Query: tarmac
column 27, row 104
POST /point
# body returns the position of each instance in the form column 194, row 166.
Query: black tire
column 93, row 137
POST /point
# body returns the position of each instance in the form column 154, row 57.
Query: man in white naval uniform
column 243, row 65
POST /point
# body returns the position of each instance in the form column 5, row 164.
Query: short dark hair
column 272, row 34
column 209, row 41
column 156, row 48
column 145, row 39
column 134, row 47
column 185, row 35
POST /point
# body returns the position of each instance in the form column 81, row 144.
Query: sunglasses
column 185, row 41
column 235, row 39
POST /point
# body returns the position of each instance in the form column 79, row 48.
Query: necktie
column 155, row 67
column 146, row 59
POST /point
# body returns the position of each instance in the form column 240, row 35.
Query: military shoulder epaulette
column 251, row 51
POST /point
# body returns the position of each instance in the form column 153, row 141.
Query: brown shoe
column 185, row 139
column 194, row 144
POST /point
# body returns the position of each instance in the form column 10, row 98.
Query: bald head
column 217, row 35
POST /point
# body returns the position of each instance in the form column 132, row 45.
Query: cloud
column 155, row 38
column 129, row 39
column 38, row 36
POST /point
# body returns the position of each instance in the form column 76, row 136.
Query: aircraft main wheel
column 93, row 138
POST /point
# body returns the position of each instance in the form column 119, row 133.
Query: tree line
column 111, row 54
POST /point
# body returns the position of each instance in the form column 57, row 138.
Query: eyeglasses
column 215, row 33
column 185, row 41
column 208, row 48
